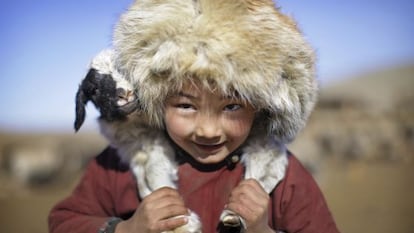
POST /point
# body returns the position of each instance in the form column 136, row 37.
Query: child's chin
column 211, row 159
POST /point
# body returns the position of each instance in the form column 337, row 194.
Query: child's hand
column 155, row 213
column 251, row 202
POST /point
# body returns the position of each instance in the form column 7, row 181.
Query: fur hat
column 239, row 46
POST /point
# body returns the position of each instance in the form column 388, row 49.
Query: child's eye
column 232, row 107
column 184, row 106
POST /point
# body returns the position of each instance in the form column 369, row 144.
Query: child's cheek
column 239, row 128
column 181, row 127
column 176, row 125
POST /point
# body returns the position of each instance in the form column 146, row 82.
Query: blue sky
column 45, row 47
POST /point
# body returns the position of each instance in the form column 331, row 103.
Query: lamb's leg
column 265, row 161
column 138, row 168
column 160, row 168
column 154, row 168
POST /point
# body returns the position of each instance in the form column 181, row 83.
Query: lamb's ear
column 81, row 101
column 85, row 92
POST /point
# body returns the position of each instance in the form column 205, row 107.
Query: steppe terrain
column 359, row 144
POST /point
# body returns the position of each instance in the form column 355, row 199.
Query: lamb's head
column 111, row 94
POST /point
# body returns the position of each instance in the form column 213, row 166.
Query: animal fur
column 245, row 47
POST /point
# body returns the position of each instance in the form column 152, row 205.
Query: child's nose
column 208, row 127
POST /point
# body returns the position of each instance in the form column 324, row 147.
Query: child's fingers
column 162, row 198
column 171, row 211
column 250, row 201
column 162, row 205
column 161, row 193
column 164, row 208
column 172, row 223
column 254, row 185
column 249, row 191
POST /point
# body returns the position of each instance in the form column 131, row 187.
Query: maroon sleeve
column 299, row 204
column 91, row 203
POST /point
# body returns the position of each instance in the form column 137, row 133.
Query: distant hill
column 369, row 117
column 379, row 90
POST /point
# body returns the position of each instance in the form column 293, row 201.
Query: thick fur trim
column 240, row 46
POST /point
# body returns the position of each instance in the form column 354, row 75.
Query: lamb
column 147, row 149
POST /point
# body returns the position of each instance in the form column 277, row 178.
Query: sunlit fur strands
column 247, row 47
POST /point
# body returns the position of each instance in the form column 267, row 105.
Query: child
column 216, row 76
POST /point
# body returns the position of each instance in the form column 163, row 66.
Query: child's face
column 206, row 124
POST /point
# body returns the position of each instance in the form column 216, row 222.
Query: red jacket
column 108, row 189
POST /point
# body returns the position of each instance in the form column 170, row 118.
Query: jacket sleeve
column 300, row 206
column 90, row 205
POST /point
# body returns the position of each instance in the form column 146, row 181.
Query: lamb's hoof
column 231, row 219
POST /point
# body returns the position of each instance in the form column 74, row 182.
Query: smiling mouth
column 209, row 148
